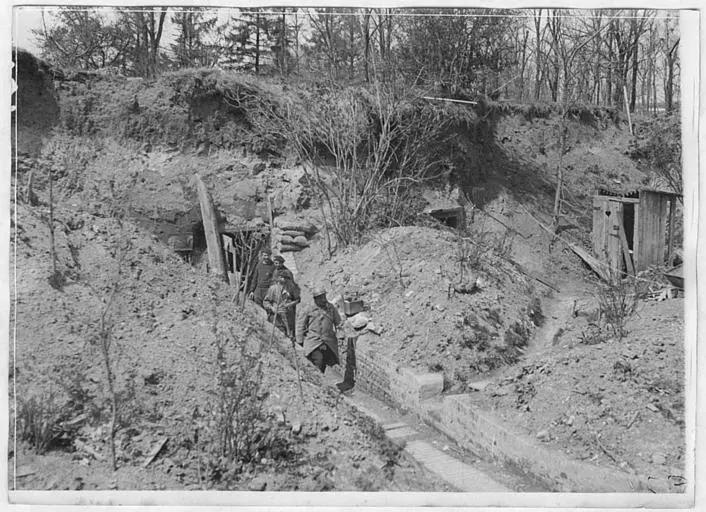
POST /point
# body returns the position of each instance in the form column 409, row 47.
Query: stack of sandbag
column 292, row 235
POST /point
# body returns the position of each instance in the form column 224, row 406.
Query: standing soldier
column 278, row 261
column 262, row 277
column 281, row 301
column 316, row 331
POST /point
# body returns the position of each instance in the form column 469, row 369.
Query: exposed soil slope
column 619, row 403
column 165, row 368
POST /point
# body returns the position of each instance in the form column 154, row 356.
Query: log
column 210, row 228
column 289, row 248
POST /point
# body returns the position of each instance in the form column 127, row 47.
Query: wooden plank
column 636, row 239
column 599, row 226
column 626, row 251
column 599, row 267
column 210, row 228
column 653, row 212
column 614, row 248
column 670, row 239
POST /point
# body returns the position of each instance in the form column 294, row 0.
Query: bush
column 39, row 419
column 237, row 429
column 657, row 145
column 369, row 149
column 617, row 302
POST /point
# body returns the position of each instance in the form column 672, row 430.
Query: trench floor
column 464, row 470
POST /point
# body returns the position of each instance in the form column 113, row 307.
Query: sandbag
column 301, row 241
column 289, row 248
column 292, row 232
column 285, row 239
column 293, row 225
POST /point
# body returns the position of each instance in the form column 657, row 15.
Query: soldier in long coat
column 262, row 277
column 316, row 331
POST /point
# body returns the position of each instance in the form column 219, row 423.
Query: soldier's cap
column 318, row 292
column 278, row 258
column 265, row 251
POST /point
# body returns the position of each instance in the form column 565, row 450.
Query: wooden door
column 651, row 229
column 607, row 219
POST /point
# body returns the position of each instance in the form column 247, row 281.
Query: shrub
column 39, row 417
column 237, row 429
column 368, row 150
column 617, row 301
column 657, row 145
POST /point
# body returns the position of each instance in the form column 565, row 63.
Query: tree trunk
column 524, row 65
column 257, row 43
column 538, row 56
column 609, row 79
column 283, row 44
column 669, row 89
column 366, row 29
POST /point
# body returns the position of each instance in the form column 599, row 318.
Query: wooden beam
column 270, row 218
column 210, row 228
column 626, row 250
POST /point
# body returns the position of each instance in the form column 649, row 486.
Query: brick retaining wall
column 478, row 430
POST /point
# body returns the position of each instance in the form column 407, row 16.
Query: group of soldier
column 273, row 288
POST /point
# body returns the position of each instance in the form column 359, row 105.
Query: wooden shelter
column 635, row 230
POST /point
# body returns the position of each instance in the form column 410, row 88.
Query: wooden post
column 270, row 218
column 210, row 228
column 670, row 226
column 627, row 107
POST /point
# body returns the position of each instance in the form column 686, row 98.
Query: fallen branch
column 532, row 275
column 502, row 223
column 633, row 419
column 155, row 451
column 605, row 450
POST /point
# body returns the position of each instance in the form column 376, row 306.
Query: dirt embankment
column 165, row 366
column 37, row 108
column 150, row 138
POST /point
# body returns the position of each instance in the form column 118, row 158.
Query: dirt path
column 557, row 311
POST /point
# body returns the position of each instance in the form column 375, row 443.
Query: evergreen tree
column 191, row 49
